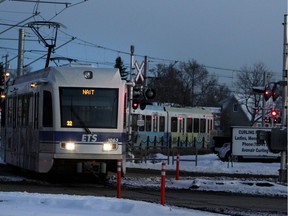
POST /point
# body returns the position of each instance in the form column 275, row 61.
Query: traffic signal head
column 274, row 113
column 135, row 104
column 150, row 93
column 275, row 92
column 137, row 91
column 267, row 93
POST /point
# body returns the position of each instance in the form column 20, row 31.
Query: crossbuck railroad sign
column 139, row 69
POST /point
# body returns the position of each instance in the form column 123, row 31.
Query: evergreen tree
column 122, row 69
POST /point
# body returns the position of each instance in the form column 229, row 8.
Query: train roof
column 76, row 76
column 198, row 110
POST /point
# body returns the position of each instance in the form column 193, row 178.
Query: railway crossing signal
column 267, row 93
column 273, row 113
column 142, row 97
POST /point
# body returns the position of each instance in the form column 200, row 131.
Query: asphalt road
column 226, row 203
column 219, row 202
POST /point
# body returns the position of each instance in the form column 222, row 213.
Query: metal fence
column 147, row 150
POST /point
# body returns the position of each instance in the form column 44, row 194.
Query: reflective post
column 163, row 179
column 177, row 166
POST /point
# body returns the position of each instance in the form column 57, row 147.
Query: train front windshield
column 89, row 107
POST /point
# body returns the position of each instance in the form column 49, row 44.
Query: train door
column 189, row 129
column 182, row 129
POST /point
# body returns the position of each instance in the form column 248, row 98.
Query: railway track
column 219, row 202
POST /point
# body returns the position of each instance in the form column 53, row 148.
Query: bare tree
column 168, row 85
column 188, row 85
column 249, row 77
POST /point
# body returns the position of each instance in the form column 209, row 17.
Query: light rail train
column 172, row 126
column 67, row 119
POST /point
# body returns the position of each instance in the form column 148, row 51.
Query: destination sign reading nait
column 88, row 91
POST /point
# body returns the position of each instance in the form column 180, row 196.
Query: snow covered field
column 211, row 164
column 16, row 203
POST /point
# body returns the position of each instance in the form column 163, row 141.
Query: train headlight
column 68, row 146
column 108, row 146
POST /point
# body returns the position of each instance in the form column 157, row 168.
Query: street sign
column 139, row 75
column 140, row 123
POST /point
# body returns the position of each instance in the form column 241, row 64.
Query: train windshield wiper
column 80, row 120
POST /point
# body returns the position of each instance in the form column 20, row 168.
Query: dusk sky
column 223, row 34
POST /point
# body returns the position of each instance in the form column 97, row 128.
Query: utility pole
column 263, row 100
column 20, row 53
column 130, row 95
column 146, row 69
column 283, row 168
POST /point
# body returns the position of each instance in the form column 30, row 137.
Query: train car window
column 47, row 109
column 189, row 125
column 161, row 123
column 202, row 125
column 14, row 116
column 89, row 107
column 9, row 112
column 211, row 125
column 19, row 110
column 36, row 109
column 181, row 124
column 142, row 128
column 155, row 123
column 174, row 124
column 134, row 122
column 148, row 123
column 30, row 108
column 25, row 110
column 196, row 125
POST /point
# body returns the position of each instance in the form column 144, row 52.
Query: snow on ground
column 17, row 203
column 211, row 164
column 27, row 204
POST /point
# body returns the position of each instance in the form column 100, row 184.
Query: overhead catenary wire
column 118, row 52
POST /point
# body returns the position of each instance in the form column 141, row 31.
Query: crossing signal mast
column 142, row 94
column 277, row 139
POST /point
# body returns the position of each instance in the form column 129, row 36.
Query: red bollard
column 119, row 164
column 163, row 180
column 177, row 166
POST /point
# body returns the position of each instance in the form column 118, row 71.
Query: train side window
column 196, row 125
column 202, row 125
column 25, row 109
column 174, row 124
column 14, row 116
column 30, row 110
column 9, row 112
column 161, row 123
column 211, row 124
column 148, row 123
column 181, row 125
column 142, row 128
column 134, row 122
column 19, row 110
column 47, row 109
column 189, row 125
column 36, row 109
column 155, row 123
